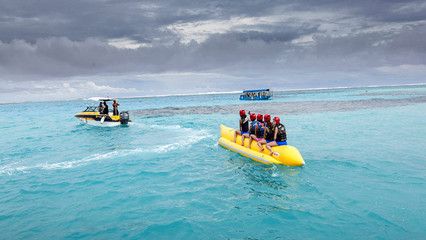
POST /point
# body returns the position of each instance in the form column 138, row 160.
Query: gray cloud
column 82, row 19
column 295, row 42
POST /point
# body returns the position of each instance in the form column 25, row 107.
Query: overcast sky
column 61, row 49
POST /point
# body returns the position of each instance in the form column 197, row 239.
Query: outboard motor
column 124, row 117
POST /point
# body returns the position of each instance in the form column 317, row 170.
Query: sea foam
column 193, row 137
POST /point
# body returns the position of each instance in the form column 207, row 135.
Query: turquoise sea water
column 165, row 177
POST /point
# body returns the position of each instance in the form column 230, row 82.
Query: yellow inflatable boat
column 287, row 155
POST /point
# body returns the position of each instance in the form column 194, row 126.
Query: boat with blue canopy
column 256, row 94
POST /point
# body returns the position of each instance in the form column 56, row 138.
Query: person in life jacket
column 244, row 127
column 259, row 131
column 280, row 136
column 268, row 133
column 101, row 108
column 252, row 128
column 105, row 110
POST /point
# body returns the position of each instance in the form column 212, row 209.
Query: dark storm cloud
column 141, row 20
column 254, row 50
column 76, row 20
column 301, row 40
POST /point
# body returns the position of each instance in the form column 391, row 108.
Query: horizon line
column 223, row 93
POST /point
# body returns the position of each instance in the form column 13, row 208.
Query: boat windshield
column 91, row 109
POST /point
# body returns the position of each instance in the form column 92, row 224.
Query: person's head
column 115, row 100
column 276, row 120
column 252, row 116
column 267, row 118
column 243, row 113
column 259, row 117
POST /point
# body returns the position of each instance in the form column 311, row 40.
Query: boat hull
column 98, row 123
column 287, row 155
column 97, row 119
column 245, row 98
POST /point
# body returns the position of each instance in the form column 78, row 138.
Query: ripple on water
column 77, row 181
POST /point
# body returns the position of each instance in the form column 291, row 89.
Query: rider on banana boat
column 252, row 127
column 269, row 132
column 244, row 127
column 258, row 130
column 280, row 136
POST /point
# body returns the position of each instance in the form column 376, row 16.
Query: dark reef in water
column 284, row 107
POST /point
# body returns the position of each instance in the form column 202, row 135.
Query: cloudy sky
column 61, row 49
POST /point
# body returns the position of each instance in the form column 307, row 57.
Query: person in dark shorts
column 115, row 108
column 280, row 136
column 105, row 111
column 259, row 130
column 269, row 132
column 244, row 127
column 101, row 108
column 252, row 128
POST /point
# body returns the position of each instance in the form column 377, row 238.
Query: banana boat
column 287, row 155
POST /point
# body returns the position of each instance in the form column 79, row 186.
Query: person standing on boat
column 115, row 107
column 244, row 127
column 280, row 136
column 105, row 111
column 269, row 132
column 101, row 108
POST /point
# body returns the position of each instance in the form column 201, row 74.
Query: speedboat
column 92, row 116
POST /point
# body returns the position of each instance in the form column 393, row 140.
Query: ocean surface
column 165, row 177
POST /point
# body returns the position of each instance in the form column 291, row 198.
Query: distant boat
column 256, row 94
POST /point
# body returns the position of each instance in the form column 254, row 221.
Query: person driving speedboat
column 101, row 107
column 105, row 109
